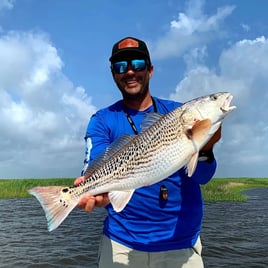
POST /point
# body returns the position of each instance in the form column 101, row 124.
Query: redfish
column 166, row 144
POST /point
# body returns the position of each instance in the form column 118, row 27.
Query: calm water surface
column 235, row 234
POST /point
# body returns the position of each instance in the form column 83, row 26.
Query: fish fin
column 198, row 134
column 200, row 130
column 191, row 165
column 56, row 202
column 119, row 199
column 149, row 120
column 108, row 153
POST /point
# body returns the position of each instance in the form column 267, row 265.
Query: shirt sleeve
column 97, row 139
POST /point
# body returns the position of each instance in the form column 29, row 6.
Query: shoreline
column 218, row 189
column 231, row 189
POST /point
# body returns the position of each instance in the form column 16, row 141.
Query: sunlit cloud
column 192, row 28
column 41, row 111
column 242, row 71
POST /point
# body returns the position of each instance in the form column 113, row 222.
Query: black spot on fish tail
column 65, row 190
column 64, row 203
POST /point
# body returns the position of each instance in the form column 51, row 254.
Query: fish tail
column 57, row 203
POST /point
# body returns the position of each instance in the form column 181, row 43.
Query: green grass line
column 230, row 189
column 17, row 188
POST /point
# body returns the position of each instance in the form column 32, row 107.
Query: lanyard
column 130, row 119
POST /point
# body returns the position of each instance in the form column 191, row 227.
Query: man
column 160, row 226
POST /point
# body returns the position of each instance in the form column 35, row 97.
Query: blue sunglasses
column 121, row 67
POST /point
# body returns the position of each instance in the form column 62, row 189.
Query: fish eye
column 213, row 97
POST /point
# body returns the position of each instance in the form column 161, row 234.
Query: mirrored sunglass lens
column 138, row 65
column 120, row 67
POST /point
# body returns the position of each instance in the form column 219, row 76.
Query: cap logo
column 128, row 43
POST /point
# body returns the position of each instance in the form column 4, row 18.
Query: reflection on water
column 234, row 235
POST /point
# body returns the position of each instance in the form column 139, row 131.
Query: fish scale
column 166, row 144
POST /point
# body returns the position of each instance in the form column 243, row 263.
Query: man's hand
column 215, row 138
column 88, row 202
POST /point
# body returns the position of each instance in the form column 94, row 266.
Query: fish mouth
column 226, row 108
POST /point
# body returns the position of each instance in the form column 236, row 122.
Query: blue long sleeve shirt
column 148, row 222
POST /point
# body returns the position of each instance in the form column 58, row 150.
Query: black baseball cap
column 130, row 46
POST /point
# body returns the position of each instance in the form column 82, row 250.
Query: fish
column 165, row 144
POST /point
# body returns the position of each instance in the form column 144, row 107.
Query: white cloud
column 192, row 28
column 243, row 69
column 42, row 114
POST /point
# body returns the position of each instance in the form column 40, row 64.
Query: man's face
column 134, row 81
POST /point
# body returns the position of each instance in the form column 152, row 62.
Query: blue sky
column 54, row 74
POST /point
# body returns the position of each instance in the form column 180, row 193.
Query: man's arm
column 99, row 140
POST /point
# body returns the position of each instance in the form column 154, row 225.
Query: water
column 234, row 235
column 26, row 242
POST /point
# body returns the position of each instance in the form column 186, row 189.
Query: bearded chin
column 134, row 96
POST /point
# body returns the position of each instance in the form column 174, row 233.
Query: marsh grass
column 230, row 189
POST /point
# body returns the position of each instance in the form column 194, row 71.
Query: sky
column 55, row 73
